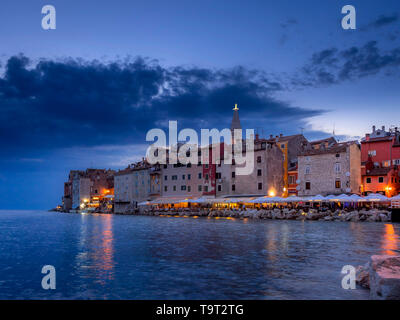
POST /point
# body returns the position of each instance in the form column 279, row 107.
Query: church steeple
column 235, row 120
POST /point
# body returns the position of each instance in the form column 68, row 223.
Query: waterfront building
column 290, row 146
column 132, row 186
column 80, row 188
column 87, row 186
column 293, row 179
column 380, row 161
column 332, row 170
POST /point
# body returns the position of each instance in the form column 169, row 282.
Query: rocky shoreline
column 374, row 215
column 382, row 276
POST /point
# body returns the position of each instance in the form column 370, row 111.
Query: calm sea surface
column 130, row 257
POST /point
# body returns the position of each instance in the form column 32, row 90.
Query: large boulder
column 362, row 275
column 384, row 277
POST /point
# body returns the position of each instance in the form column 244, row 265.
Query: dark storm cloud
column 332, row 65
column 57, row 104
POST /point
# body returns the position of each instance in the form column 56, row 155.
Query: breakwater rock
column 374, row 215
column 382, row 276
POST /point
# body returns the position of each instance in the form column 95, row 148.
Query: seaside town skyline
column 283, row 166
column 74, row 102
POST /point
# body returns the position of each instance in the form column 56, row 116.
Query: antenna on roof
column 301, row 130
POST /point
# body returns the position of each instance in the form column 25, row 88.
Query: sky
column 85, row 94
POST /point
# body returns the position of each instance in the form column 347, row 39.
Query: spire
column 235, row 120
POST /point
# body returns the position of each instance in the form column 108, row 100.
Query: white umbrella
column 376, row 197
column 341, row 198
column 356, row 198
column 396, row 197
column 294, row 199
column 317, row 198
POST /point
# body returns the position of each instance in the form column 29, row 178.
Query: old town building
column 380, row 161
column 132, row 186
column 85, row 185
column 332, row 170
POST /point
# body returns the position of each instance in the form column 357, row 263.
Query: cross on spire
column 236, row 107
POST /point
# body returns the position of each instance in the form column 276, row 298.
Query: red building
column 292, row 180
column 380, row 160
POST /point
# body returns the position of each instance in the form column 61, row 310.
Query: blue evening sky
column 324, row 78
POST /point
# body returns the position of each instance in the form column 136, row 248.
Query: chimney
column 281, row 135
column 257, row 137
column 271, row 136
column 383, row 128
column 373, row 128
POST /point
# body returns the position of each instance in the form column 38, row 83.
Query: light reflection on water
column 127, row 257
column 390, row 241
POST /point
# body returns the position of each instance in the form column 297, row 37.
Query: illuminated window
column 338, row 184
column 308, row 185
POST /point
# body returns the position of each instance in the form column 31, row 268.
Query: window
column 292, row 180
column 260, row 186
column 386, row 163
column 233, row 187
column 308, row 169
column 199, row 188
column 380, row 180
column 396, row 162
column 259, row 159
column 174, row 188
column 218, row 175
column 165, row 178
column 206, row 176
column 206, row 166
column 183, row 188
column 189, row 165
column 205, row 188
column 233, row 162
column 165, row 166
column 307, row 159
column 219, row 187
column 337, row 155
column 308, row 185
column 282, row 146
column 233, row 174
column 200, row 175
column 338, row 184
column 189, row 188
column 259, row 173
column 368, row 180
column 165, row 188
column 337, row 167
column 372, row 153
column 174, row 177
column 189, row 176
column 183, row 177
